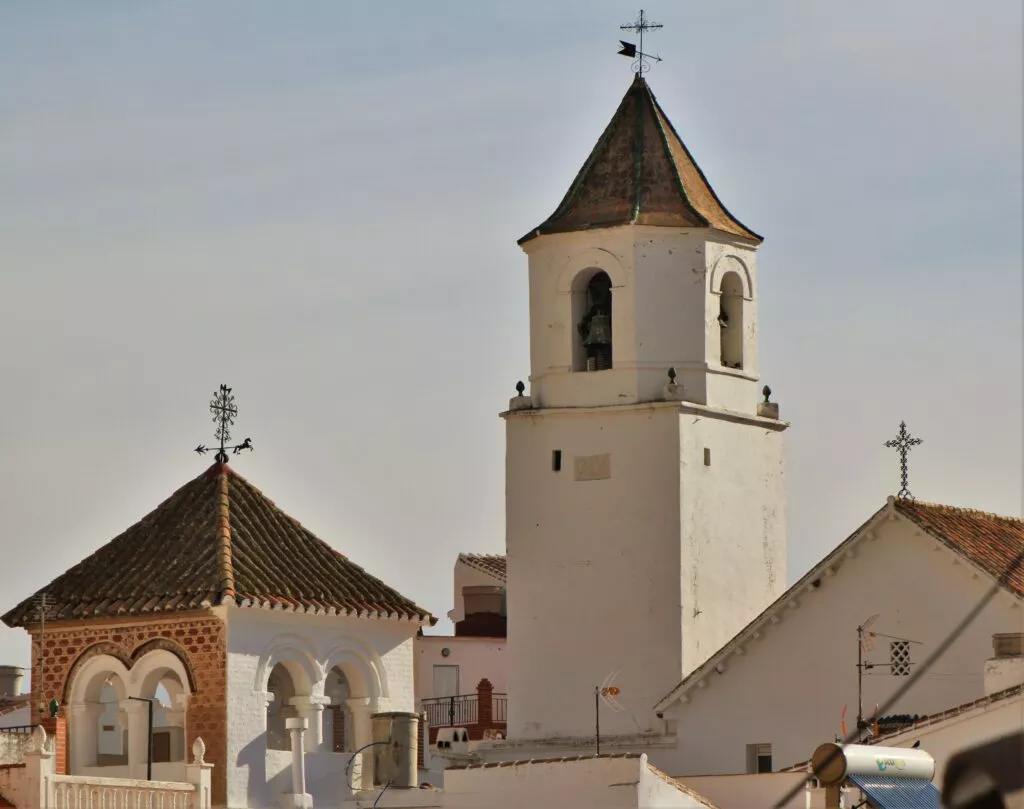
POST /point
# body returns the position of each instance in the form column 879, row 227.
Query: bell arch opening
column 730, row 320
column 592, row 316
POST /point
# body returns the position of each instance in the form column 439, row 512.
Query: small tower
column 645, row 506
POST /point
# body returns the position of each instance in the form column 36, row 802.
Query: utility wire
column 928, row 662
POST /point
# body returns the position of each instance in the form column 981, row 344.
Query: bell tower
column 645, row 504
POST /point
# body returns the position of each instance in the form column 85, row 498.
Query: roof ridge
column 660, row 119
column 222, row 527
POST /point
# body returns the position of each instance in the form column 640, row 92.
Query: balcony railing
column 464, row 710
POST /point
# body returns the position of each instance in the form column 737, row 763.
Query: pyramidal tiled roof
column 640, row 172
column 492, row 564
column 215, row 540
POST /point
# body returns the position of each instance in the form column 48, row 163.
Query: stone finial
column 198, row 750
column 520, row 387
column 767, row 409
column 39, row 739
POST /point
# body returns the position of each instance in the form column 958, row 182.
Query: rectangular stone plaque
column 592, row 467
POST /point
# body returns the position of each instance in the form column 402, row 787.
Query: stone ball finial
column 767, row 393
column 672, row 376
column 520, row 387
column 198, row 750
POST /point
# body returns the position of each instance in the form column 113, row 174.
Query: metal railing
column 459, row 711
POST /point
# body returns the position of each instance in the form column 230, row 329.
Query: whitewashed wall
column 945, row 739
column 665, row 305
column 376, row 655
column 476, row 658
column 593, row 566
column 596, row 783
column 788, row 688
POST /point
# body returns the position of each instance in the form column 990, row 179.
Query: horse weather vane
column 634, row 52
column 903, row 443
column 223, row 408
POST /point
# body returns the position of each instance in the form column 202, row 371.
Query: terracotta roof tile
column 640, row 172
column 216, row 539
column 491, row 564
column 993, row 543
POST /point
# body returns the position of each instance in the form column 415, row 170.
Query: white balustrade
column 87, row 792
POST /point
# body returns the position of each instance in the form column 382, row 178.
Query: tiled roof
column 491, row 564
column 640, row 172
column 217, row 539
column 12, row 704
column 993, row 543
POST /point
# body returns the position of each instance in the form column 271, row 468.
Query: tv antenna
column 865, row 643
column 606, row 693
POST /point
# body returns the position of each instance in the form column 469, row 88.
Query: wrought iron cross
column 223, row 408
column 638, row 27
column 902, row 443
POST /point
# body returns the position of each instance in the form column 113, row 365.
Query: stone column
column 135, row 715
column 84, row 735
column 312, row 710
column 361, row 709
column 298, row 798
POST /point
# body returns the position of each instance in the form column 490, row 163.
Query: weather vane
column 641, row 24
column 902, row 443
column 223, row 408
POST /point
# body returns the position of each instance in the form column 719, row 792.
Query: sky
column 318, row 203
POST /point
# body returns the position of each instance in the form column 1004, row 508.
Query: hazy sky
column 318, row 202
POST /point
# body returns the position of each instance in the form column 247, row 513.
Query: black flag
column 628, row 49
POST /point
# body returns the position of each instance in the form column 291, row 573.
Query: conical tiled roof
column 218, row 538
column 640, row 173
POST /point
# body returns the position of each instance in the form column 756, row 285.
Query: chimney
column 394, row 759
column 1006, row 668
column 10, row 680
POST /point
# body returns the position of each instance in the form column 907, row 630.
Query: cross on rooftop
column 223, row 408
column 902, row 443
column 638, row 27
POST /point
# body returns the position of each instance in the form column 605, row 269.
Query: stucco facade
column 786, row 680
column 376, row 657
column 633, row 510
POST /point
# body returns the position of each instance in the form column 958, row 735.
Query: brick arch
column 88, row 654
column 174, row 649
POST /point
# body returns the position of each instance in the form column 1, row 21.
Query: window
column 446, row 681
column 730, row 320
column 336, row 718
column 759, row 758
column 899, row 658
column 556, row 460
column 592, row 313
column 707, row 456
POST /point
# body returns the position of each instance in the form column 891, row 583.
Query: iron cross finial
column 902, row 443
column 634, row 52
column 223, row 408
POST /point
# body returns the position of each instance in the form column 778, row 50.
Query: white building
column 230, row 620
column 788, row 680
column 643, row 477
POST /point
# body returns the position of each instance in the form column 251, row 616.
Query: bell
column 600, row 331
